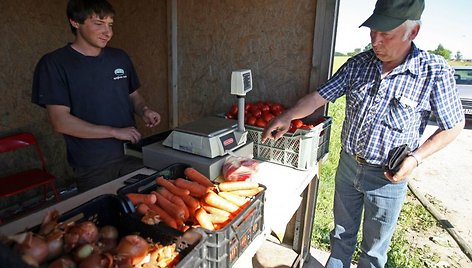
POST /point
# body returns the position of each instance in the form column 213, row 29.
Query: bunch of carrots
column 194, row 201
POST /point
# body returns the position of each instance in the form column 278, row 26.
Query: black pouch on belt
column 396, row 157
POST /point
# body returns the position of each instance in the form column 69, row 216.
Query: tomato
column 307, row 127
column 292, row 128
column 277, row 113
column 261, row 123
column 229, row 115
column 247, row 106
column 253, row 109
column 265, row 108
column 257, row 113
column 234, row 109
column 297, row 123
column 251, row 120
column 276, row 107
column 267, row 116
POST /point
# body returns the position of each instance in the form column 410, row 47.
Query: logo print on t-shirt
column 119, row 74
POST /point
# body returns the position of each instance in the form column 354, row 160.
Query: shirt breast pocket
column 399, row 115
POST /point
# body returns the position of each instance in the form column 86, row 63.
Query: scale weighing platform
column 210, row 137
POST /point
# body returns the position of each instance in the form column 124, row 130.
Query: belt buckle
column 359, row 159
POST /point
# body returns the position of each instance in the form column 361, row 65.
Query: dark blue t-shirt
column 96, row 89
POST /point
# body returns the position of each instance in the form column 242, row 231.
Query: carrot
column 170, row 207
column 195, row 188
column 193, row 175
column 215, row 218
column 211, row 198
column 248, row 192
column 233, row 198
column 191, row 202
column 137, row 199
column 213, row 210
column 163, row 215
column 202, row 217
column 175, row 199
column 237, row 185
column 171, row 187
column 142, row 208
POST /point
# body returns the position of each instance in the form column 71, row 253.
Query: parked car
column 463, row 76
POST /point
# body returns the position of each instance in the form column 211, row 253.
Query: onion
column 33, row 246
column 29, row 260
column 63, row 262
column 49, row 223
column 55, row 242
column 97, row 261
column 106, row 245
column 108, row 232
column 82, row 233
column 82, row 252
column 133, row 248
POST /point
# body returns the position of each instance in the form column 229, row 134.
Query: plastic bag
column 237, row 168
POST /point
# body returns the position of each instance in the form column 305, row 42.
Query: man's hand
column 406, row 168
column 127, row 134
column 276, row 128
column 151, row 118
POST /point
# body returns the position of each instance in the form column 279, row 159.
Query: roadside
column 445, row 180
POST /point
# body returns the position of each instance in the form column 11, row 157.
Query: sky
column 443, row 22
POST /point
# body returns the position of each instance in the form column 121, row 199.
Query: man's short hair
column 80, row 10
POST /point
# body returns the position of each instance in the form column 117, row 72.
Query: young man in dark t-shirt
column 90, row 93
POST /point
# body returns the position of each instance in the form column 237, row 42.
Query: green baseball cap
column 389, row 14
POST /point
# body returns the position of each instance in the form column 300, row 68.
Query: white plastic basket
column 298, row 150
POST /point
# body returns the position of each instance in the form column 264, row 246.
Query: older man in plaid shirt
column 390, row 90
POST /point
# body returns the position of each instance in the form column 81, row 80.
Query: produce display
column 260, row 113
column 84, row 244
column 194, row 201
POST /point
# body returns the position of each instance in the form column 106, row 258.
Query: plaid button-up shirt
column 382, row 114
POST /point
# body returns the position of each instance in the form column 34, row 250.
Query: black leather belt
column 361, row 161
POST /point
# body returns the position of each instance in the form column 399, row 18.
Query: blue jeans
column 361, row 187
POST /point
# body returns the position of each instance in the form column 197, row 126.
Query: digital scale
column 214, row 136
column 205, row 143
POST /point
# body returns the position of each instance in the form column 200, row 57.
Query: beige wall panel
column 30, row 29
column 140, row 29
column 272, row 38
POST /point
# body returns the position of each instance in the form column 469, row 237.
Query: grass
column 413, row 218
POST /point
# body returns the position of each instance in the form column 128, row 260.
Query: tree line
column 440, row 50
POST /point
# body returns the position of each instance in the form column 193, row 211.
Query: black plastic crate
column 111, row 209
column 224, row 246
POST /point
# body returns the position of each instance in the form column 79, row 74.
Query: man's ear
column 414, row 32
column 74, row 23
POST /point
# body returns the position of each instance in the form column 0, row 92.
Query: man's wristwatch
column 415, row 157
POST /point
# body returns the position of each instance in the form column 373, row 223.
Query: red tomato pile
column 258, row 113
column 262, row 112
